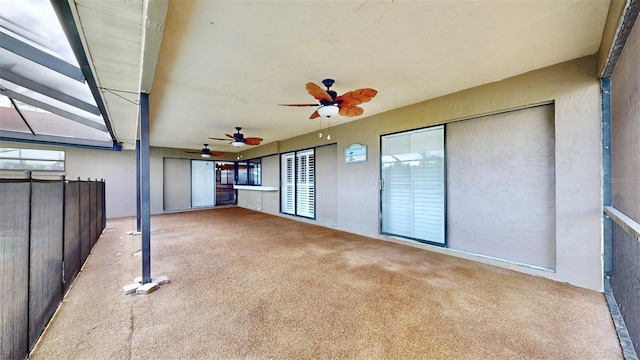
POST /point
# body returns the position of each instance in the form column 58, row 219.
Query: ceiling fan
column 206, row 152
column 239, row 140
column 332, row 104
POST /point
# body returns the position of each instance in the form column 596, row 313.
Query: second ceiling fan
column 205, row 152
column 331, row 104
column 239, row 140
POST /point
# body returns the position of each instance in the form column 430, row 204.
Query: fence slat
column 14, row 269
column 45, row 279
column 93, row 206
column 85, row 223
column 71, row 233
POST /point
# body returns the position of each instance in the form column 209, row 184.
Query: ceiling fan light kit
column 328, row 110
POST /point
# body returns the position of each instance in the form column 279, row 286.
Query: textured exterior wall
column 501, row 186
column 326, row 185
column 271, row 177
column 176, row 184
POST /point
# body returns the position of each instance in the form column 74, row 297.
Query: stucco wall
column 575, row 91
column 500, row 186
column 326, row 185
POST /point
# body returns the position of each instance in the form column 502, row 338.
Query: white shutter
column 287, row 183
column 298, row 183
column 305, row 183
column 413, row 192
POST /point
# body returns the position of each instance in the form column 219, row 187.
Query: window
column 31, row 159
column 254, row 168
column 413, row 185
column 298, row 183
column 249, row 172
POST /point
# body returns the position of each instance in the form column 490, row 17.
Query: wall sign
column 355, row 153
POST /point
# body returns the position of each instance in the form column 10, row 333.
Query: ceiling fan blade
column 351, row 110
column 252, row 140
column 217, row 153
column 299, row 105
column 357, row 97
column 193, row 152
column 314, row 115
column 230, row 136
column 317, row 92
column 219, row 139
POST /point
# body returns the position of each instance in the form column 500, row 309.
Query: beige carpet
column 246, row 285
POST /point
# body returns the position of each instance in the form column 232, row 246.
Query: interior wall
column 574, row 89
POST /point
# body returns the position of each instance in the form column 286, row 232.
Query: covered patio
column 246, row 284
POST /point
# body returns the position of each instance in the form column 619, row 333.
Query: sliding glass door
column 413, row 185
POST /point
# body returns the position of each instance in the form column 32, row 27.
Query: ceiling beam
column 155, row 14
column 16, row 136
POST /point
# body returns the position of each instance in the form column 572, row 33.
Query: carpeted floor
column 246, row 285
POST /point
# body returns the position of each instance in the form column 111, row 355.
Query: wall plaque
column 355, row 153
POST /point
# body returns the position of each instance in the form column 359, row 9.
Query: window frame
column 381, row 230
column 251, row 167
column 23, row 160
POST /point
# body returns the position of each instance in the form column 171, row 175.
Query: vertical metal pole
column 145, row 208
column 27, row 175
column 103, row 190
column 607, row 257
column 64, row 220
column 79, row 182
column 138, row 192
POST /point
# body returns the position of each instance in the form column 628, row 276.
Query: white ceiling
column 223, row 64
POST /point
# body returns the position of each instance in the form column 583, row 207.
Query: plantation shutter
column 305, row 183
column 287, row 183
column 413, row 190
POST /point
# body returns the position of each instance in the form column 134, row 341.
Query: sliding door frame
column 444, row 179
